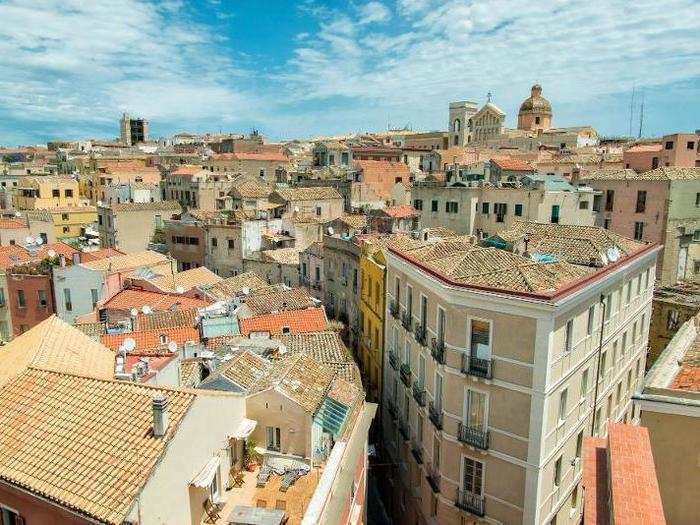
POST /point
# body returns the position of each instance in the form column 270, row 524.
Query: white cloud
column 373, row 12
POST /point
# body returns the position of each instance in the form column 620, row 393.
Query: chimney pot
column 160, row 415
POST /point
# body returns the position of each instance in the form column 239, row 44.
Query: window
column 485, row 208
column 64, row 216
column 579, row 444
column 591, row 320
column 473, row 476
column 672, row 320
column 562, row 404
column 624, row 343
column 418, row 204
column 557, row 472
column 451, row 207
column 475, row 405
column 569, row 335
column 654, row 163
column 638, row 231
column 434, row 205
column 479, row 340
column 618, row 393
column 574, row 497
column 537, row 120
column 500, row 209
column 230, row 244
column 697, row 200
column 607, row 302
column 606, row 224
column 56, row 193
column 583, row 205
column 584, row 383
column 690, row 144
column 2, row 297
column 66, row 299
column 273, row 435
column 93, row 294
column 598, row 418
column 641, row 201
column 603, row 359
column 609, row 200
column 669, row 144
column 555, row 214
column 42, row 298
column 68, row 193
column 596, row 202
column 21, row 301
column 518, row 210
column 10, row 517
column 214, row 242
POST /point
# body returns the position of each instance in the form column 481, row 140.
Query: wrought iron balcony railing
column 474, row 436
column 405, row 372
column 473, row 503
column 419, row 393
column 406, row 320
column 393, row 360
column 433, row 477
column 476, row 366
column 435, row 415
column 417, row 451
column 394, row 309
column 421, row 334
column 437, row 350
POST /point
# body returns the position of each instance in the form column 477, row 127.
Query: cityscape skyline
column 321, row 69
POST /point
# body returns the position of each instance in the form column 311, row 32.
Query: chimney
column 160, row 415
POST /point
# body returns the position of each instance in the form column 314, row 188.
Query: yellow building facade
column 69, row 221
column 372, row 308
column 34, row 193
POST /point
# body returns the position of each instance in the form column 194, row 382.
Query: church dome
column 536, row 103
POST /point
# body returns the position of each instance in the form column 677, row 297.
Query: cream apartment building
column 491, row 363
column 484, row 209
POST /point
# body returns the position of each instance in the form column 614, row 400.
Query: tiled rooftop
column 186, row 280
column 82, row 442
column 308, row 194
column 295, row 321
column 232, row 286
column 128, row 299
column 151, row 340
column 12, row 255
column 53, row 344
column 404, row 211
column 512, row 164
column 167, row 319
column 145, row 206
column 660, row 174
column 120, row 263
column 282, row 255
column 272, row 299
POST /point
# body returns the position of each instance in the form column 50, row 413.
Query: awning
column 206, row 475
column 245, row 428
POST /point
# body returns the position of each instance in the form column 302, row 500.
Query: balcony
column 435, row 415
column 394, row 309
column 419, row 393
column 437, row 350
column 471, row 503
column 404, row 429
column 477, row 367
column 405, row 372
column 476, row 437
column 393, row 360
column 421, row 334
column 417, row 452
column 391, row 408
column 433, row 477
column 406, row 320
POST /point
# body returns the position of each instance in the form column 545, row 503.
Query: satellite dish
column 296, row 209
column 51, row 253
column 604, row 258
column 129, row 344
column 180, row 289
column 330, row 230
column 99, row 203
column 146, row 309
column 29, row 239
column 613, row 254
column 134, row 312
column 39, row 241
column 172, row 346
column 245, row 290
column 18, row 214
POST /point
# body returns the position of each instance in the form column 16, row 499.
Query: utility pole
column 641, row 117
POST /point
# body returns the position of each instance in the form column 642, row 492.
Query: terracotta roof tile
column 145, row 206
column 274, row 299
column 120, row 263
column 512, row 164
column 166, row 319
column 128, row 299
column 295, row 321
column 232, row 286
column 13, row 255
column 82, row 442
column 188, row 279
column 11, row 224
column 307, row 194
column 152, row 339
column 405, row 211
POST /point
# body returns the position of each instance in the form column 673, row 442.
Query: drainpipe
column 597, row 374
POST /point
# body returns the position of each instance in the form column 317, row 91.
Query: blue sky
column 68, row 68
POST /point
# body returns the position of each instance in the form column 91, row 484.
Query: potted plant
column 250, row 455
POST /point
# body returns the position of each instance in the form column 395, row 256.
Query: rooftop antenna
column 631, row 109
column 641, row 117
column 488, row 97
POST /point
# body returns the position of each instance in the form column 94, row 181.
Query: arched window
column 456, row 126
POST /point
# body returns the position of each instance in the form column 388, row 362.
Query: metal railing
column 473, row 503
column 391, row 407
column 406, row 320
column 474, row 436
column 405, row 373
column 394, row 309
column 435, row 415
column 476, row 366
column 404, row 429
column 419, row 393
column 393, row 360
column 433, row 477
column 437, row 350
column 421, row 334
column 417, row 452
